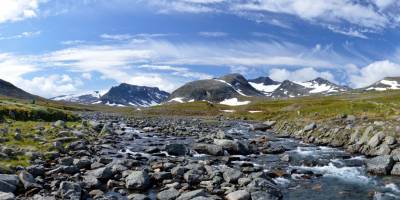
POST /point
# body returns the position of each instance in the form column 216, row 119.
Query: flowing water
column 312, row 173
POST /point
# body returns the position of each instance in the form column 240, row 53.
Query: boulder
column 7, row 196
column 267, row 187
column 232, row 175
column 176, row 149
column 192, row 194
column 28, row 180
column 380, row 165
column 238, row 195
column 376, row 140
column 8, row 183
column 396, row 169
column 101, row 173
column 210, row 149
column 138, row 180
column 138, row 197
column 70, row 190
column 169, row 194
column 233, row 147
column 310, row 127
column 259, row 127
column 396, row 154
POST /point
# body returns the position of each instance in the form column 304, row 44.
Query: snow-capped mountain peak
column 320, row 85
column 388, row 83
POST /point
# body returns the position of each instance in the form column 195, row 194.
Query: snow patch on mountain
column 319, row 88
column 266, row 89
column 230, row 85
column 234, row 102
column 177, row 99
column 384, row 85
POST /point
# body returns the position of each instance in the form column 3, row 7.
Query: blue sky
column 54, row 47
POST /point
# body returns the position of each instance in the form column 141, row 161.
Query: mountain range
column 228, row 89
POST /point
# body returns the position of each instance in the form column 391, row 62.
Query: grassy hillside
column 375, row 105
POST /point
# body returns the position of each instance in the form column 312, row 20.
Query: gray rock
column 233, row 147
column 101, row 173
column 178, row 171
column 210, row 149
column 7, row 196
column 193, row 177
column 396, row 169
column 138, row 180
column 268, row 187
column 67, row 161
column 259, row 127
column 262, row 195
column 396, row 154
column 169, row 194
column 90, row 182
column 232, row 175
column 138, row 197
column 28, row 180
column 7, row 187
column 366, row 135
column 36, row 170
column 115, row 196
column 8, row 183
column 82, row 163
column 176, row 149
column 384, row 149
column 70, row 190
column 310, row 127
column 238, row 195
column 390, row 140
column 380, row 165
column 376, row 140
column 192, row 194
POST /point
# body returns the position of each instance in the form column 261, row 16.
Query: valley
column 335, row 146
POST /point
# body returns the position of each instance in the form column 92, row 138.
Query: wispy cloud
column 213, row 34
column 373, row 15
column 20, row 36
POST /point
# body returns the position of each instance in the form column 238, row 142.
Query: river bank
column 191, row 158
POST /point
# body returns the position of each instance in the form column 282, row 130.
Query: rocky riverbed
column 188, row 158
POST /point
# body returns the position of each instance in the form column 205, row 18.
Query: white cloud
column 374, row 72
column 72, row 42
column 303, row 74
column 349, row 17
column 87, row 76
column 13, row 67
column 350, row 32
column 15, row 10
column 213, row 34
column 177, row 71
column 21, row 35
column 50, row 86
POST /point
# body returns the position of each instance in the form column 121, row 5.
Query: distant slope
column 289, row 89
column 92, row 98
column 9, row 90
column 240, row 84
column 387, row 83
column 215, row 90
column 133, row 95
column 323, row 86
column 209, row 90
